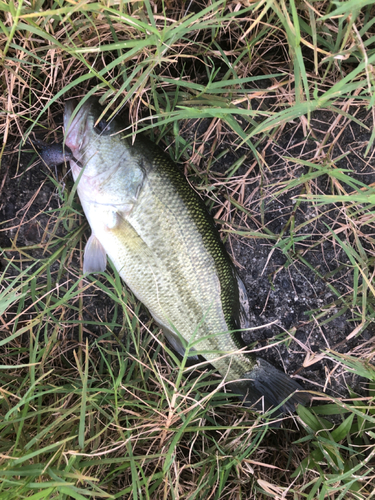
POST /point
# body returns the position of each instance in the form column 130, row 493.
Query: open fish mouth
column 76, row 126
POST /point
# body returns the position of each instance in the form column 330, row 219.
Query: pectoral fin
column 94, row 258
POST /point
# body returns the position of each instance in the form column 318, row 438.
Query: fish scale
column 156, row 230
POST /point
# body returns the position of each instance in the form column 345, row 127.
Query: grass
column 93, row 404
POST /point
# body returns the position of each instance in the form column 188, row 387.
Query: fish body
column 159, row 236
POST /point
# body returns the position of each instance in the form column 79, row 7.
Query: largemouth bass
column 159, row 236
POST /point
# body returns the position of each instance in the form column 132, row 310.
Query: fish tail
column 266, row 387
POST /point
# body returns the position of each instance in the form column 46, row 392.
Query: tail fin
column 266, row 386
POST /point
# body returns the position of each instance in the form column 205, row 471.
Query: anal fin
column 176, row 343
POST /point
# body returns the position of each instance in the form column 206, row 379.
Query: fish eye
column 103, row 127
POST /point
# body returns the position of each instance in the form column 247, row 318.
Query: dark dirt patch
column 290, row 291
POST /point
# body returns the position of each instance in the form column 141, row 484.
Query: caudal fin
column 266, row 386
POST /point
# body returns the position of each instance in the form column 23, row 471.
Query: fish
column 156, row 230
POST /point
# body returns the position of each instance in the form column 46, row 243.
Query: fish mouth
column 76, row 118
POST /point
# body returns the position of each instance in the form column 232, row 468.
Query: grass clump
column 91, row 406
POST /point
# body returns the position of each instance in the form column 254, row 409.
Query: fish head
column 112, row 169
column 88, row 134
